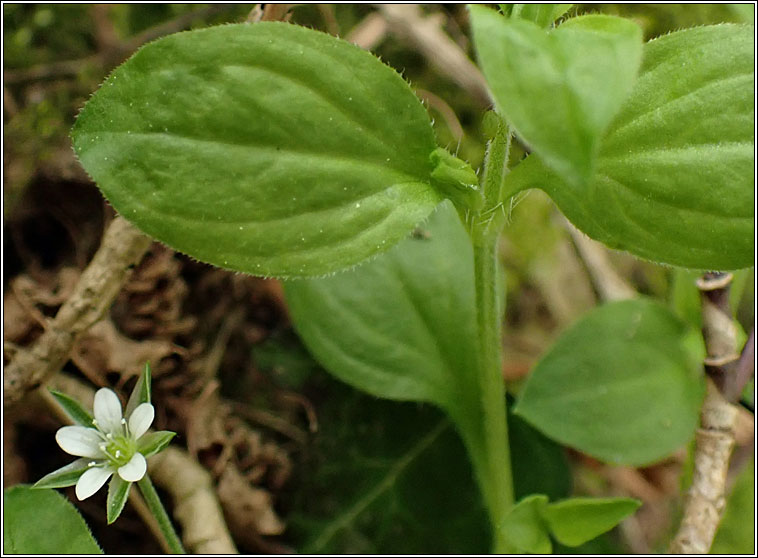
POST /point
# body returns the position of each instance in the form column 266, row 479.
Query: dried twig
column 426, row 34
column 123, row 246
column 609, row 284
column 715, row 437
column 269, row 12
column 369, row 32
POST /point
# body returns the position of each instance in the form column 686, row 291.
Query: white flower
column 111, row 443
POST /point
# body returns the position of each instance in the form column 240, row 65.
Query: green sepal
column 154, row 442
column 118, row 492
column 575, row 521
column 65, row 476
column 73, row 409
column 141, row 392
column 455, row 179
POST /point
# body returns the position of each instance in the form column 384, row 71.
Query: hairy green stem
column 499, row 492
column 159, row 512
column 484, row 230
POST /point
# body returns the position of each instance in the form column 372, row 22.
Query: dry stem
column 715, row 437
column 123, row 247
column 426, row 34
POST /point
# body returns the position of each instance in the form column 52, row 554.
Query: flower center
column 119, row 449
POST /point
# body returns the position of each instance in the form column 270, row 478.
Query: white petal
column 80, row 441
column 91, row 481
column 135, row 469
column 141, row 419
column 108, row 410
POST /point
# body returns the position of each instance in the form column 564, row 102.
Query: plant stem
column 156, row 507
column 485, row 230
column 499, row 490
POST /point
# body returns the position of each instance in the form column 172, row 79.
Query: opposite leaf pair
column 571, row 522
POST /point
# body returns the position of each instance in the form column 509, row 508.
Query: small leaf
column 43, row 522
column 142, row 391
column 577, row 520
column 560, row 89
column 118, row 492
column 270, row 149
column 73, row 409
column 624, row 384
column 542, row 14
column 65, row 476
column 455, row 179
column 674, row 180
column 524, row 527
column 154, row 442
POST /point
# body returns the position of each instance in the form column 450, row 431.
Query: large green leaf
column 41, row 521
column 269, row 148
column 559, row 89
column 674, row 180
column 623, row 384
column 403, row 326
column 385, row 478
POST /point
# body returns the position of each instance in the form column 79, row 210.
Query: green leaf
column 43, row 522
column 736, row 532
column 73, row 409
column 542, row 14
column 525, row 529
column 154, row 442
column 142, row 392
column 624, row 384
column 118, row 492
column 384, row 478
column 270, row 148
column 403, row 326
column 577, row 520
column 67, row 475
column 560, row 89
column 539, row 465
column 674, row 180
column 456, row 179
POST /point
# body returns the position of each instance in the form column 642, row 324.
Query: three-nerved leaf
column 559, row 89
column 41, row 521
column 674, row 180
column 403, row 326
column 268, row 148
column 624, row 384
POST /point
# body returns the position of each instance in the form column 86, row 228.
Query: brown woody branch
column 425, row 33
column 715, row 438
column 123, row 247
